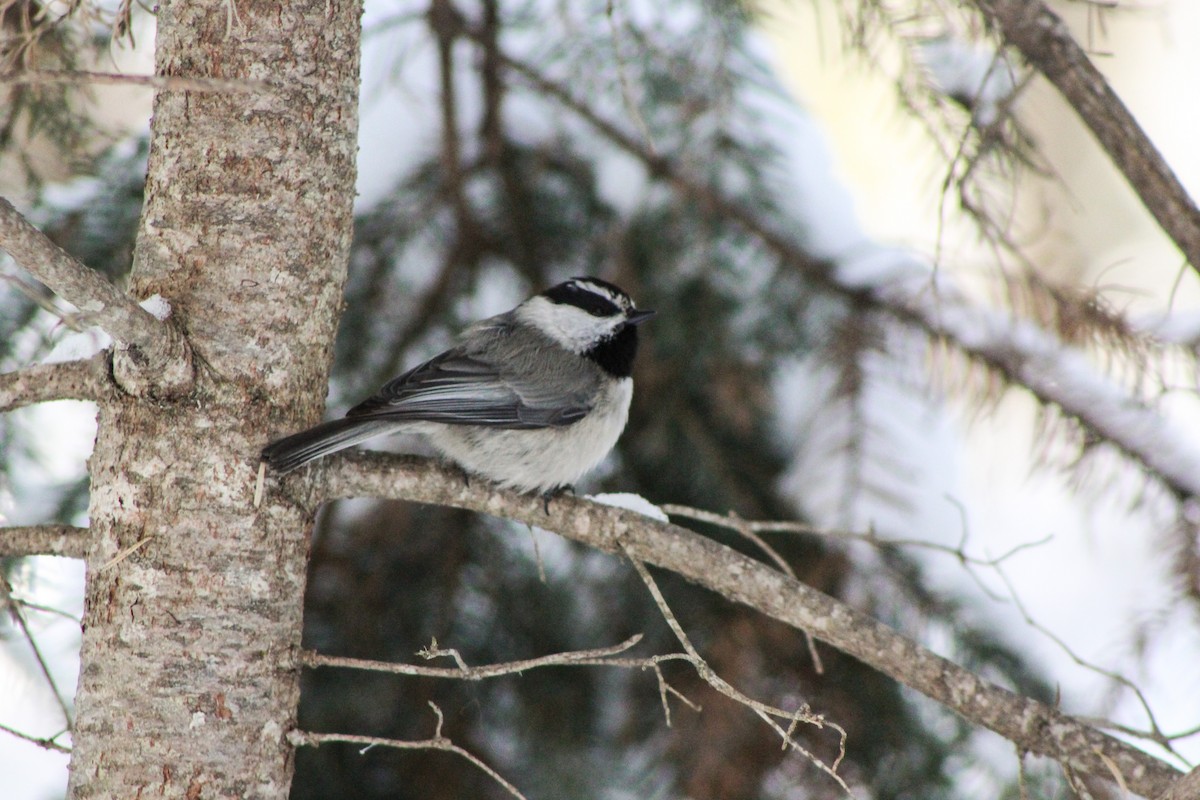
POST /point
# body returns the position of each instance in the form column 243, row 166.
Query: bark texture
column 190, row 682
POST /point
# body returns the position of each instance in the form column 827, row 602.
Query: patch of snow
column 630, row 502
column 158, row 306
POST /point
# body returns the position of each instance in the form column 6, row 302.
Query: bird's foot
column 557, row 491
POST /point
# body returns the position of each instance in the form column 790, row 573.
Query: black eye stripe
column 571, row 293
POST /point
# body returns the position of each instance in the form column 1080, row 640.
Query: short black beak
column 639, row 316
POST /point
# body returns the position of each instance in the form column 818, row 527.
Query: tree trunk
column 190, row 682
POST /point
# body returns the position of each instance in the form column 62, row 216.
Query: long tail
column 328, row 437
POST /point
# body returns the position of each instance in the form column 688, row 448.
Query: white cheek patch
column 572, row 327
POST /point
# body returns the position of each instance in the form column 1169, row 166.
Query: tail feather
column 328, row 437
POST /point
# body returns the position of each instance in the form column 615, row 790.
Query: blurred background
column 720, row 162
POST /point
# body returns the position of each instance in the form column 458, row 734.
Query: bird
column 531, row 399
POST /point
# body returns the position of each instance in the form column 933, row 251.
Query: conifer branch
column 1043, row 39
column 1021, row 352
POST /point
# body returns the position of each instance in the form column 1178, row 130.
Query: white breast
column 543, row 459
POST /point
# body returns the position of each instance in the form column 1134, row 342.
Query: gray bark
column 189, row 681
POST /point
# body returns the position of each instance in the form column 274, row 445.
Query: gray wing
column 485, row 381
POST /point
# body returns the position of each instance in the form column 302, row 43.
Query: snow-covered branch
column 1024, row 354
column 155, row 356
column 1044, row 40
column 87, row 379
column 1032, row 726
column 43, row 540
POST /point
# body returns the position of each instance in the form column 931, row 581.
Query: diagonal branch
column 88, row 379
column 43, row 540
column 1044, row 40
column 1034, row 727
column 156, row 350
column 910, row 292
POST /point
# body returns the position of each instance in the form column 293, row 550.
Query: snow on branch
column 159, row 359
column 87, row 379
column 1032, row 726
column 1023, row 353
column 1055, row 373
column 1044, row 40
column 43, row 540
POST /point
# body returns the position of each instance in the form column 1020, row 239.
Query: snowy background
column 1098, row 584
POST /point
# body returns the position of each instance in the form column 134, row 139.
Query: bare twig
column 748, row 527
column 18, row 615
column 88, row 379
column 45, row 744
column 1033, row 726
column 156, row 349
column 598, row 657
column 766, row 712
column 747, row 531
column 43, row 540
column 176, row 82
column 299, row 738
column 1155, row 734
column 1045, row 41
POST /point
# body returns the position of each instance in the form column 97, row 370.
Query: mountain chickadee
column 531, row 399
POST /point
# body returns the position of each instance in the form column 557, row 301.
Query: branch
column 602, row 656
column 1024, row 354
column 159, row 359
column 298, row 738
column 1032, row 726
column 42, row 77
column 50, row 744
column 1044, row 40
column 88, row 379
column 43, row 540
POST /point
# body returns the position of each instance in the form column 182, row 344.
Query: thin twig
column 601, row 656
column 598, row 657
column 18, row 615
column 87, row 379
column 45, row 744
column 1155, row 734
column 299, row 738
column 736, row 523
column 745, row 527
column 766, row 712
